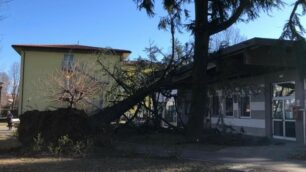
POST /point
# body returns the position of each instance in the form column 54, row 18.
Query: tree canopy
column 220, row 14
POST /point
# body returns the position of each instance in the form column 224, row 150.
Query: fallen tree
column 156, row 75
column 114, row 112
column 165, row 79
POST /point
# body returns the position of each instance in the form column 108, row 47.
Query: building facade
column 256, row 87
column 38, row 62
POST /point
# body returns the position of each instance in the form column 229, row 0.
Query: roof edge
column 256, row 41
column 67, row 47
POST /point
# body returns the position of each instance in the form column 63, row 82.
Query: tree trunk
column 156, row 118
column 114, row 112
column 199, row 74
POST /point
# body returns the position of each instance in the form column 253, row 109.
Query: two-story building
column 38, row 62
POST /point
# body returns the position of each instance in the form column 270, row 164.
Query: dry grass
column 7, row 139
column 166, row 140
column 12, row 164
column 99, row 160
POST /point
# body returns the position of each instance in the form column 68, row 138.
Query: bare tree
column 74, row 86
column 4, row 78
column 6, row 81
column 15, row 78
column 230, row 36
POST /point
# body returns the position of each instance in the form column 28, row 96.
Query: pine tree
column 211, row 17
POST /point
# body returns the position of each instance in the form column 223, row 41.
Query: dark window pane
column 215, row 103
column 290, row 129
column 229, row 106
column 278, row 128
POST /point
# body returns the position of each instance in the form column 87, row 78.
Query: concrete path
column 272, row 157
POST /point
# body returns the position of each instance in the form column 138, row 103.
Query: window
column 245, row 109
column 68, row 62
column 215, row 105
column 229, row 106
column 284, row 89
column 170, row 114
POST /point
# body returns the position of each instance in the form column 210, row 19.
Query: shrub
column 38, row 143
column 66, row 146
column 52, row 125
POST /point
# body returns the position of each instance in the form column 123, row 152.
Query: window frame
column 240, row 103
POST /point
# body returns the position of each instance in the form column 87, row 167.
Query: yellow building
column 38, row 62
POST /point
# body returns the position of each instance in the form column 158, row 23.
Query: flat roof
column 252, row 43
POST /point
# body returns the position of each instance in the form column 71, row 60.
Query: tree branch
column 215, row 27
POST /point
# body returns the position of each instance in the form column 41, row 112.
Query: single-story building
column 257, row 87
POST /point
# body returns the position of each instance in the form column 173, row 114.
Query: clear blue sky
column 105, row 23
